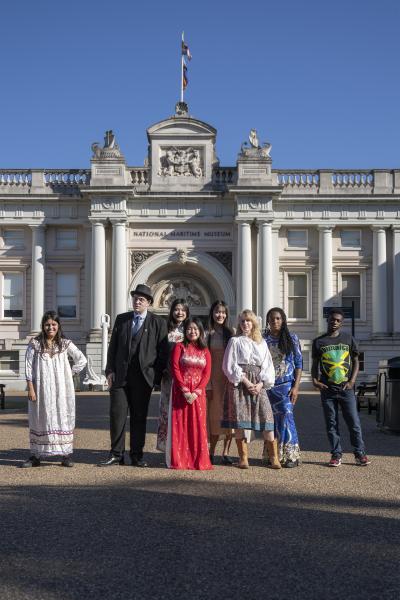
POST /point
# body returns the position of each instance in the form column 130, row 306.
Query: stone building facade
column 79, row 240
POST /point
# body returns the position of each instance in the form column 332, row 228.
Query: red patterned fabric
column 191, row 369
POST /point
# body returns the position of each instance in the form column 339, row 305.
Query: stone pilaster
column 244, row 273
column 396, row 279
column 325, row 272
column 119, row 268
column 266, row 274
column 98, row 287
column 37, row 277
column 379, row 282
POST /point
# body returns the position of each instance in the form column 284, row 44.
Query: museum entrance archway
column 196, row 277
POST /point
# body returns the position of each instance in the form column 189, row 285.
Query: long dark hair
column 227, row 331
column 201, row 342
column 171, row 323
column 285, row 342
column 41, row 338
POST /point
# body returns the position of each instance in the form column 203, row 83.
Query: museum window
column 13, row 238
column 350, row 239
column 66, row 239
column 12, row 295
column 67, row 295
column 297, row 239
column 306, row 360
column 9, row 362
column 361, row 362
column 351, row 292
column 297, row 296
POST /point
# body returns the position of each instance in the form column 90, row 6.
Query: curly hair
column 255, row 333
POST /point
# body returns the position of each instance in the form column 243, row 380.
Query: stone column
column 87, row 229
column 266, row 272
column 244, row 271
column 379, row 282
column 396, row 279
column 325, row 273
column 98, row 287
column 37, row 276
column 119, row 284
column 276, row 300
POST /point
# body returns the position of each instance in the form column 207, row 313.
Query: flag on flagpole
column 185, row 79
column 186, row 51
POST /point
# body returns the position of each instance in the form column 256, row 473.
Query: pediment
column 185, row 127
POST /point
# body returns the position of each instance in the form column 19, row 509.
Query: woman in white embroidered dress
column 51, row 392
column 250, row 372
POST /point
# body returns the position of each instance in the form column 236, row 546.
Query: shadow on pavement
column 171, row 539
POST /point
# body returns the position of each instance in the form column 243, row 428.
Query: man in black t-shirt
column 334, row 371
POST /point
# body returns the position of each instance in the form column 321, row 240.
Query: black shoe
column 138, row 462
column 67, row 462
column 31, row 462
column 112, row 460
column 289, row 464
column 227, row 460
column 212, row 459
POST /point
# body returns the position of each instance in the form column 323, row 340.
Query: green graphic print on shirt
column 336, row 362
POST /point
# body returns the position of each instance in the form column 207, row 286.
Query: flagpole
column 182, row 67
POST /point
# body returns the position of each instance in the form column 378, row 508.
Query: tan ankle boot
column 243, row 455
column 272, row 448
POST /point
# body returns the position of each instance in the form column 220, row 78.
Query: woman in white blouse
column 248, row 366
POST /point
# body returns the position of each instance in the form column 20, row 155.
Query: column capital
column 380, row 227
column 118, row 221
column 37, row 225
column 97, row 221
column 244, row 221
column 325, row 227
column 396, row 228
column 260, row 224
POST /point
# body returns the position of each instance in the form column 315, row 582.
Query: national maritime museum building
column 79, row 240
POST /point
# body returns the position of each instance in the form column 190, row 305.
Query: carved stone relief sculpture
column 180, row 162
column 181, row 289
column 139, row 257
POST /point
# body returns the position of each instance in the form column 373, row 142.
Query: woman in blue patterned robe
column 288, row 362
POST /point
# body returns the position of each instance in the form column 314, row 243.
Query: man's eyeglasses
column 140, row 299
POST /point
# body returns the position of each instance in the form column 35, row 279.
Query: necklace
column 50, row 347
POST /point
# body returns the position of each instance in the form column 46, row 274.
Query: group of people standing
column 217, row 384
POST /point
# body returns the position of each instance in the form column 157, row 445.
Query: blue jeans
column 331, row 400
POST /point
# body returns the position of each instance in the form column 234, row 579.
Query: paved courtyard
column 121, row 532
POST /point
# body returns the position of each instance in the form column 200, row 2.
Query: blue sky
column 318, row 79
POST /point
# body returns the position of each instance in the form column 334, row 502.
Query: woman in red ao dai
column 187, row 444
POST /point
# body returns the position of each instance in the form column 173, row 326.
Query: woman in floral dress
column 187, row 444
column 178, row 314
column 51, row 410
column 288, row 363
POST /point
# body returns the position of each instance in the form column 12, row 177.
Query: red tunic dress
column 190, row 368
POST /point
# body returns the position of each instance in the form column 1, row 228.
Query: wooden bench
column 2, row 396
column 367, row 396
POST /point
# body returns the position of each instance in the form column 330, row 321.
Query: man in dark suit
column 137, row 356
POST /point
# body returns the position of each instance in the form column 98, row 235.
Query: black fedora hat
column 143, row 290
